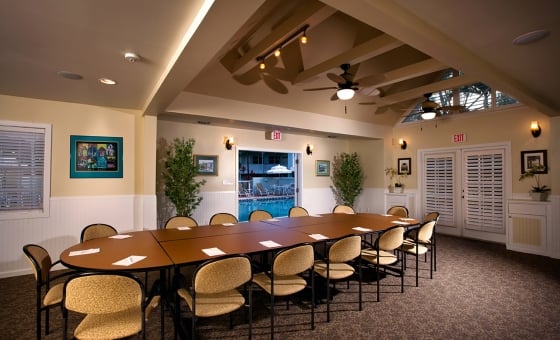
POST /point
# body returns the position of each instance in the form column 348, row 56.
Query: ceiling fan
column 430, row 109
column 270, row 75
column 346, row 87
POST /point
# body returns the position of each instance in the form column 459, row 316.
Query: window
column 24, row 170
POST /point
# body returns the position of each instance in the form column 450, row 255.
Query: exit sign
column 459, row 138
column 274, row 135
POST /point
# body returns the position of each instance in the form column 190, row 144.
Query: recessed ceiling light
column 107, row 81
column 131, row 57
column 531, row 37
column 69, row 75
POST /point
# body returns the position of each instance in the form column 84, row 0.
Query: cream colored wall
column 77, row 119
column 500, row 126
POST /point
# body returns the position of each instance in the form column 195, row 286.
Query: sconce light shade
column 309, row 149
column 229, row 142
column 403, row 144
column 535, row 129
column 345, row 94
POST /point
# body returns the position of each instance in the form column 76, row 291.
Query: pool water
column 278, row 207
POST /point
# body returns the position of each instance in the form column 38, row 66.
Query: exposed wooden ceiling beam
column 404, row 73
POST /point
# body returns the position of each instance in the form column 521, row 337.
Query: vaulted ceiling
column 398, row 47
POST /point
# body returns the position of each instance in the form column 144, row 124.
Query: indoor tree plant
column 347, row 178
column 181, row 186
column 539, row 192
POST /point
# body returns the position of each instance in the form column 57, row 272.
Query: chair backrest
column 297, row 211
column 293, row 260
column 433, row 216
column 221, row 218
column 259, row 215
column 391, row 238
column 223, row 274
column 343, row 209
column 97, row 230
column 40, row 261
column 103, row 293
column 398, row 210
column 345, row 249
column 426, row 231
column 180, row 221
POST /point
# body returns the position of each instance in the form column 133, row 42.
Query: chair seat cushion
column 410, row 247
column 114, row 325
column 384, row 258
column 208, row 305
column 283, row 285
column 54, row 295
column 337, row 270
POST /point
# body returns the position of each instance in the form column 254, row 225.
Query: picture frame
column 404, row 166
column 206, row 165
column 96, row 157
column 322, row 168
column 533, row 158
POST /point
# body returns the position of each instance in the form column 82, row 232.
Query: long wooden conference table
column 172, row 248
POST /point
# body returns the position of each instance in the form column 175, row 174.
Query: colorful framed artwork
column 404, row 166
column 530, row 159
column 96, row 157
column 206, row 165
column 322, row 168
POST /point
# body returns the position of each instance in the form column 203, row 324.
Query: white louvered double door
column 468, row 188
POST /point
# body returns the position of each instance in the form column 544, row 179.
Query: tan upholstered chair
column 343, row 209
column 297, row 211
column 259, row 215
column 382, row 253
column 97, row 230
column 222, row 218
column 433, row 216
column 398, row 210
column 180, row 221
column 48, row 294
column 336, row 267
column 214, row 290
column 113, row 305
column 284, row 277
column 418, row 242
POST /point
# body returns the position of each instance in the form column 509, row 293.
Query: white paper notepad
column 183, row 228
column 127, row 261
column 361, row 229
column 120, row 237
column 318, row 236
column 228, row 224
column 269, row 244
column 84, row 252
column 213, row 251
column 400, row 222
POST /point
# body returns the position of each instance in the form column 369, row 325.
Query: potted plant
column 538, row 191
column 396, row 180
column 347, row 178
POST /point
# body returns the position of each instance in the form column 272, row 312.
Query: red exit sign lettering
column 459, row 138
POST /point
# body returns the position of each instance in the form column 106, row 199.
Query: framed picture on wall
column 206, row 165
column 530, row 159
column 404, row 166
column 96, row 157
column 322, row 168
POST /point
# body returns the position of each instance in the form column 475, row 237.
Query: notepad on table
column 361, row 229
column 120, row 237
column 127, row 261
column 400, row 222
column 84, row 252
column 269, row 244
column 318, row 236
column 213, row 251
column 183, row 228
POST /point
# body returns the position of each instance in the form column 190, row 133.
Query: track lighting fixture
column 276, row 50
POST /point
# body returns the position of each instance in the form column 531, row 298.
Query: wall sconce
column 229, row 142
column 402, row 143
column 535, row 129
column 309, row 149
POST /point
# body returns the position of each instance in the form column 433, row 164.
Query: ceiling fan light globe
column 428, row 115
column 345, row 94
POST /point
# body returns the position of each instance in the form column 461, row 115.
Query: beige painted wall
column 500, row 126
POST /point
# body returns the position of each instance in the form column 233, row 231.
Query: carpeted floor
column 480, row 291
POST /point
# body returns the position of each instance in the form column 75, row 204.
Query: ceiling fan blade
column 273, row 83
column 367, row 103
column 278, row 73
column 336, row 78
column 322, row 88
column 371, row 80
column 351, row 72
column 334, row 97
column 248, row 78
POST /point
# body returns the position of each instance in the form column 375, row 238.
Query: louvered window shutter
column 439, row 192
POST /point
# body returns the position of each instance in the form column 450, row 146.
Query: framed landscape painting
column 322, row 168
column 206, row 165
column 96, row 157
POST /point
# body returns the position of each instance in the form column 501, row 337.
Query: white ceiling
column 87, row 37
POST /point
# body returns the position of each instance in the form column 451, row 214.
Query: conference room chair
column 433, row 216
column 223, row 218
column 398, row 210
column 382, row 254
column 259, row 215
column 338, row 266
column 418, row 241
column 284, row 278
column 97, row 230
column 343, row 209
column 113, row 304
column 215, row 290
column 297, row 211
column 48, row 292
column 180, row 221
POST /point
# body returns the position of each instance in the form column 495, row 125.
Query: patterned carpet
column 480, row 291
